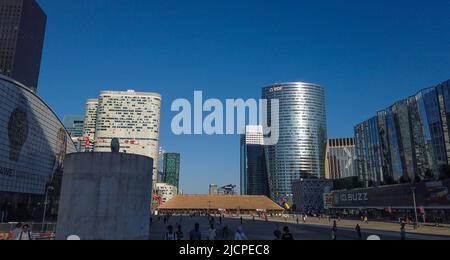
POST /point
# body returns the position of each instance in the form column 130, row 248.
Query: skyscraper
column 74, row 126
column 171, row 172
column 90, row 121
column 300, row 151
column 133, row 118
column 22, row 31
column 340, row 159
column 254, row 174
column 408, row 141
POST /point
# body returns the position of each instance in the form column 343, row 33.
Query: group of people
column 22, row 232
column 197, row 235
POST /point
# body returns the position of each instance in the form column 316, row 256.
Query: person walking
column 242, row 220
column 170, row 235
column 225, row 233
column 334, row 231
column 195, row 234
column 287, row 235
column 179, row 234
column 240, row 235
column 358, row 232
column 25, row 234
column 212, row 234
column 16, row 232
column 403, row 232
column 277, row 233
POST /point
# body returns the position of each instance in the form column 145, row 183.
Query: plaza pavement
column 260, row 230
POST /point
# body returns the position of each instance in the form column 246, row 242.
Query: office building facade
column 90, row 122
column 22, row 32
column 33, row 145
column 340, row 159
column 133, row 118
column 407, row 142
column 74, row 126
column 300, row 151
column 254, row 173
column 171, row 169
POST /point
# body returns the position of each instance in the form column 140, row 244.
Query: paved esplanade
column 262, row 230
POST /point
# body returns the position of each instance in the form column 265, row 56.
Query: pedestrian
column 334, row 231
column 225, row 233
column 277, row 233
column 170, row 235
column 287, row 235
column 366, row 220
column 195, row 234
column 358, row 232
column 25, row 234
column 220, row 220
column 242, row 220
column 16, row 232
column 240, row 235
column 298, row 221
column 212, row 234
column 179, row 233
column 403, row 232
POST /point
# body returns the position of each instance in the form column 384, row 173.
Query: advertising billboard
column 433, row 195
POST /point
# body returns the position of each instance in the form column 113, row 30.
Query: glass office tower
column 407, row 142
column 300, row 151
column 254, row 175
column 171, row 172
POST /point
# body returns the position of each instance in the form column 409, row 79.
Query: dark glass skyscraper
column 171, row 174
column 407, row 142
column 22, row 31
column 254, row 174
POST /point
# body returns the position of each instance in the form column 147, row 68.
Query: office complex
column 254, row 174
column 133, row 118
column 33, row 145
column 22, row 31
column 340, row 159
column 90, row 121
column 165, row 192
column 407, row 142
column 171, row 169
column 300, row 152
column 74, row 125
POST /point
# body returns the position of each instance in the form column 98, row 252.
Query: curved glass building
column 300, row 151
column 33, row 145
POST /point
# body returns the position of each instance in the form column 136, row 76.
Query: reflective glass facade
column 22, row 31
column 33, row 145
column 300, row 151
column 171, row 173
column 254, row 174
column 408, row 141
column 340, row 159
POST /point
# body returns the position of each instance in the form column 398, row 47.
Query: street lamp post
column 413, row 189
column 47, row 191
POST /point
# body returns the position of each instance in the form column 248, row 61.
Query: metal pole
column 47, row 190
column 413, row 189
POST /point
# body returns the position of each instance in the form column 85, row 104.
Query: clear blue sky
column 367, row 54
